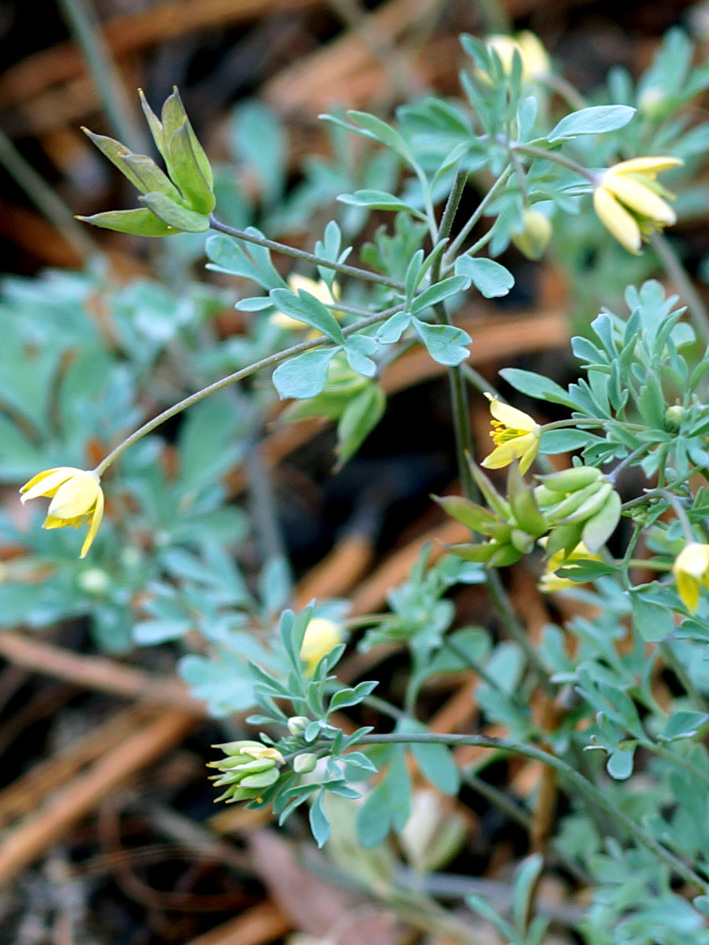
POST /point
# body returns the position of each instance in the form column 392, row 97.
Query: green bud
column 673, row 416
column 535, row 234
column 304, row 764
column 297, row 724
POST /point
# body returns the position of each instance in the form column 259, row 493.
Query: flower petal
column 650, row 166
column 511, row 416
column 617, row 220
column 503, row 454
column 77, row 496
column 688, row 590
column 95, row 522
column 47, row 482
column 640, row 198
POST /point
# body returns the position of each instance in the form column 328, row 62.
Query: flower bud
column 297, row 724
column 304, row 764
column 533, row 238
column 673, row 416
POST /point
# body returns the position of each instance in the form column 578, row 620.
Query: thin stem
column 678, row 274
column 477, row 213
column 452, row 204
column 554, row 156
column 681, row 515
column 45, row 199
column 661, row 493
column 88, row 36
column 456, row 381
column 517, row 631
column 568, row 774
column 353, row 271
column 223, row 382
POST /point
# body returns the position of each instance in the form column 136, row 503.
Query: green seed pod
column 601, row 526
column 567, row 506
column 569, row 480
column 589, row 506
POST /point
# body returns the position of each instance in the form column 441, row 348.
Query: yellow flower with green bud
column 631, row 203
column 248, row 768
column 321, row 636
column 515, row 434
column 691, row 571
column 76, row 496
column 177, row 202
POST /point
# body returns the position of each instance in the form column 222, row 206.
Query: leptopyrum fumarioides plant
column 626, row 504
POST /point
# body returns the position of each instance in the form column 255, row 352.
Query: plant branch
column 567, row 773
column 353, row 271
column 223, row 382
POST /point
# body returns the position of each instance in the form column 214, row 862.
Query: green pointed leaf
column 185, row 170
column 139, row 222
column 182, row 219
column 592, row 121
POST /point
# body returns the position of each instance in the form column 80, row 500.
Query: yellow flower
column 550, row 580
column 515, row 435
column 535, row 61
column 318, row 288
column 691, row 571
column 630, row 202
column 76, row 498
column 321, row 636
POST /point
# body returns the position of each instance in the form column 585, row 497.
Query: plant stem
column 567, row 773
column 456, row 381
column 517, row 631
column 353, row 271
column 554, row 156
column 478, row 212
column 223, row 382
column 677, row 273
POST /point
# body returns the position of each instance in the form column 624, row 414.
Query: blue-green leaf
column 445, row 343
column 490, row 278
column 592, row 121
column 305, row 375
